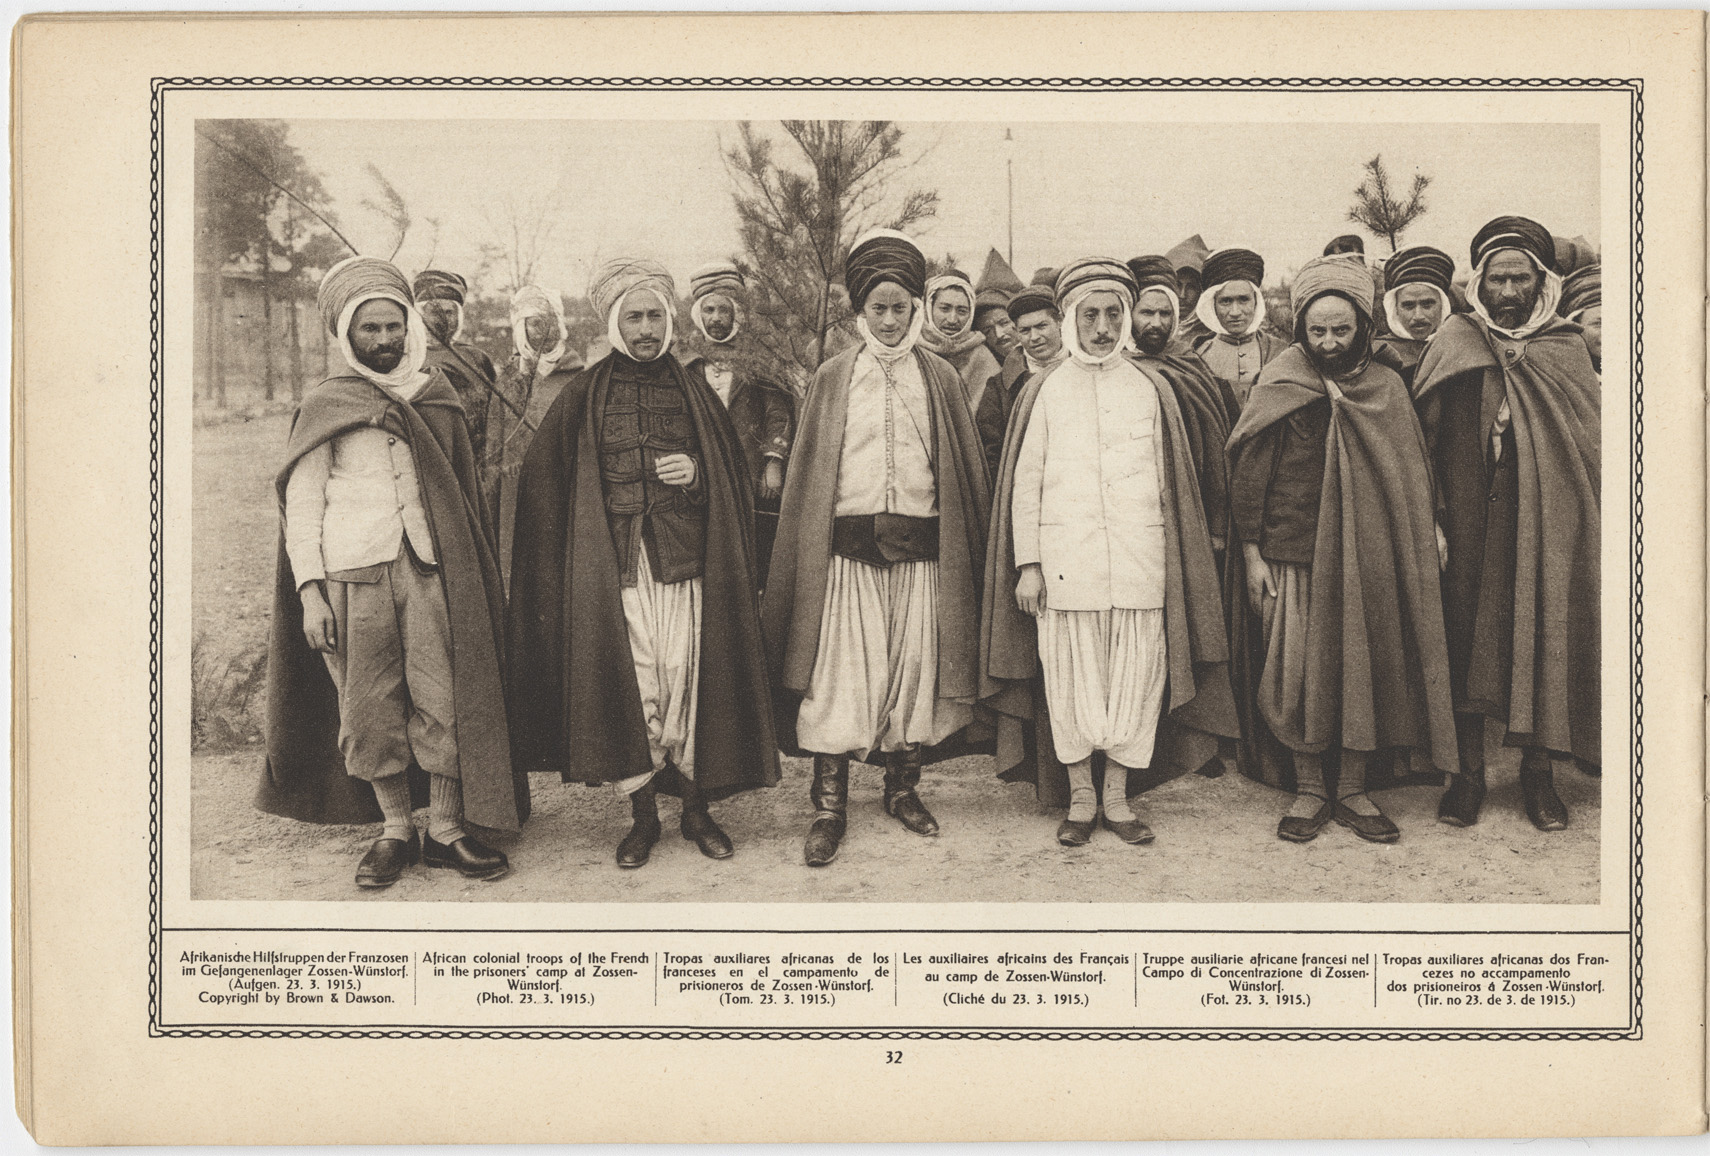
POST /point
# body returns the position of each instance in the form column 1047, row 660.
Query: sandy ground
column 1216, row 837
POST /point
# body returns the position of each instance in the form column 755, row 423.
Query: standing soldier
column 1418, row 297
column 872, row 604
column 633, row 620
column 1508, row 398
column 1233, row 309
column 763, row 412
column 439, row 299
column 385, row 558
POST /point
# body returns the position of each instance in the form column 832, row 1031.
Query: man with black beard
column 1509, row 402
column 1332, row 506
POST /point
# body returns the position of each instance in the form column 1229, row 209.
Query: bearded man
column 540, row 366
column 1100, row 577
column 385, row 557
column 1233, row 309
column 1332, row 505
column 1034, row 313
column 1418, row 297
column 998, row 283
column 872, row 602
column 439, row 299
column 1582, row 304
column 1509, row 401
column 763, row 412
column 949, row 332
column 633, row 619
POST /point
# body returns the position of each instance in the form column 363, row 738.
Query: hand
column 320, row 628
column 1261, row 583
column 1217, row 544
column 1030, row 590
column 772, row 482
column 675, row 470
column 1442, row 550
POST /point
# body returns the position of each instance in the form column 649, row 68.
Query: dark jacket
column 1276, row 480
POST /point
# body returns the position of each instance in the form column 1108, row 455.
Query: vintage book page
column 667, row 771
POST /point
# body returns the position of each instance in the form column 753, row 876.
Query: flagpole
column 1009, row 167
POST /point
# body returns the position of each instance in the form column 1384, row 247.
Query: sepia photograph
column 941, row 511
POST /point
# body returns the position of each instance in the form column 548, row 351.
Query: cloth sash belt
column 885, row 539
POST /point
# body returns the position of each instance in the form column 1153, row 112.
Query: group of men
column 1108, row 527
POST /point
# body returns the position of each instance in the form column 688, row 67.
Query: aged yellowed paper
column 220, row 941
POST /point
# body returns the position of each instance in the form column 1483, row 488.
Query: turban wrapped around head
column 533, row 301
column 618, row 278
column 1574, row 255
column 883, row 255
column 1332, row 275
column 953, row 280
column 358, row 279
column 1227, row 265
column 1581, row 290
column 1154, row 270
column 1420, row 264
column 1094, row 274
column 1346, row 243
column 720, row 277
column 1520, row 233
column 438, row 285
column 1031, row 300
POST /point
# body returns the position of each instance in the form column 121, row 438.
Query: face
column 889, row 312
column 1591, row 320
column 1332, row 330
column 1098, row 323
column 1189, row 281
column 641, row 324
column 542, row 332
column 1510, row 288
column 1041, row 334
column 951, row 310
column 999, row 332
column 718, row 315
column 440, row 317
column 1420, row 308
column 377, row 335
column 1153, row 322
column 1234, row 304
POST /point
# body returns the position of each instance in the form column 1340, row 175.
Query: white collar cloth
column 1206, row 310
column 1542, row 312
column 616, row 338
column 408, row 378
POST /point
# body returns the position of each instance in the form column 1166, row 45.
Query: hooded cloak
column 965, row 349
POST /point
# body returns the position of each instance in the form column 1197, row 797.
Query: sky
column 660, row 188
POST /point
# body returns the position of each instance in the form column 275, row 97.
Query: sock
column 1309, row 775
column 445, row 819
column 1083, row 798
column 1116, row 807
column 393, row 795
column 1353, row 783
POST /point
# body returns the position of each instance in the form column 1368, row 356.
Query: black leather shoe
column 823, row 840
column 471, row 859
column 1543, row 806
column 1128, row 830
column 699, row 828
column 1372, row 828
column 1304, row 830
column 386, row 861
column 1460, row 804
column 637, row 846
column 901, row 802
column 1074, row 833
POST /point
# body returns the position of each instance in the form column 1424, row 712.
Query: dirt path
column 1216, row 844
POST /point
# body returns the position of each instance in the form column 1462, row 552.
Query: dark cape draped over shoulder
column 1198, row 705
column 1377, row 668
column 794, row 602
column 1528, row 652
column 576, row 706
column 305, row 776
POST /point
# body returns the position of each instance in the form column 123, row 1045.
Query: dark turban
column 1346, row 243
column 884, row 255
column 1519, row 233
column 1045, row 275
column 1581, row 290
column 1420, row 265
column 1155, row 270
column 359, row 279
column 720, row 277
column 1227, row 265
column 437, row 285
column 1031, row 300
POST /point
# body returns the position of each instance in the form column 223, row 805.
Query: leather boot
column 830, row 794
column 636, row 846
column 1538, row 788
column 1460, row 804
column 699, row 828
column 902, row 776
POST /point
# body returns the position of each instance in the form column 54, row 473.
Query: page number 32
column 893, row 1057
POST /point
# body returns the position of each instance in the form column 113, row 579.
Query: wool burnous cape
column 1377, row 667
column 794, row 603
column 577, row 706
column 1531, row 652
column 1205, row 404
column 1198, row 705
column 305, row 776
